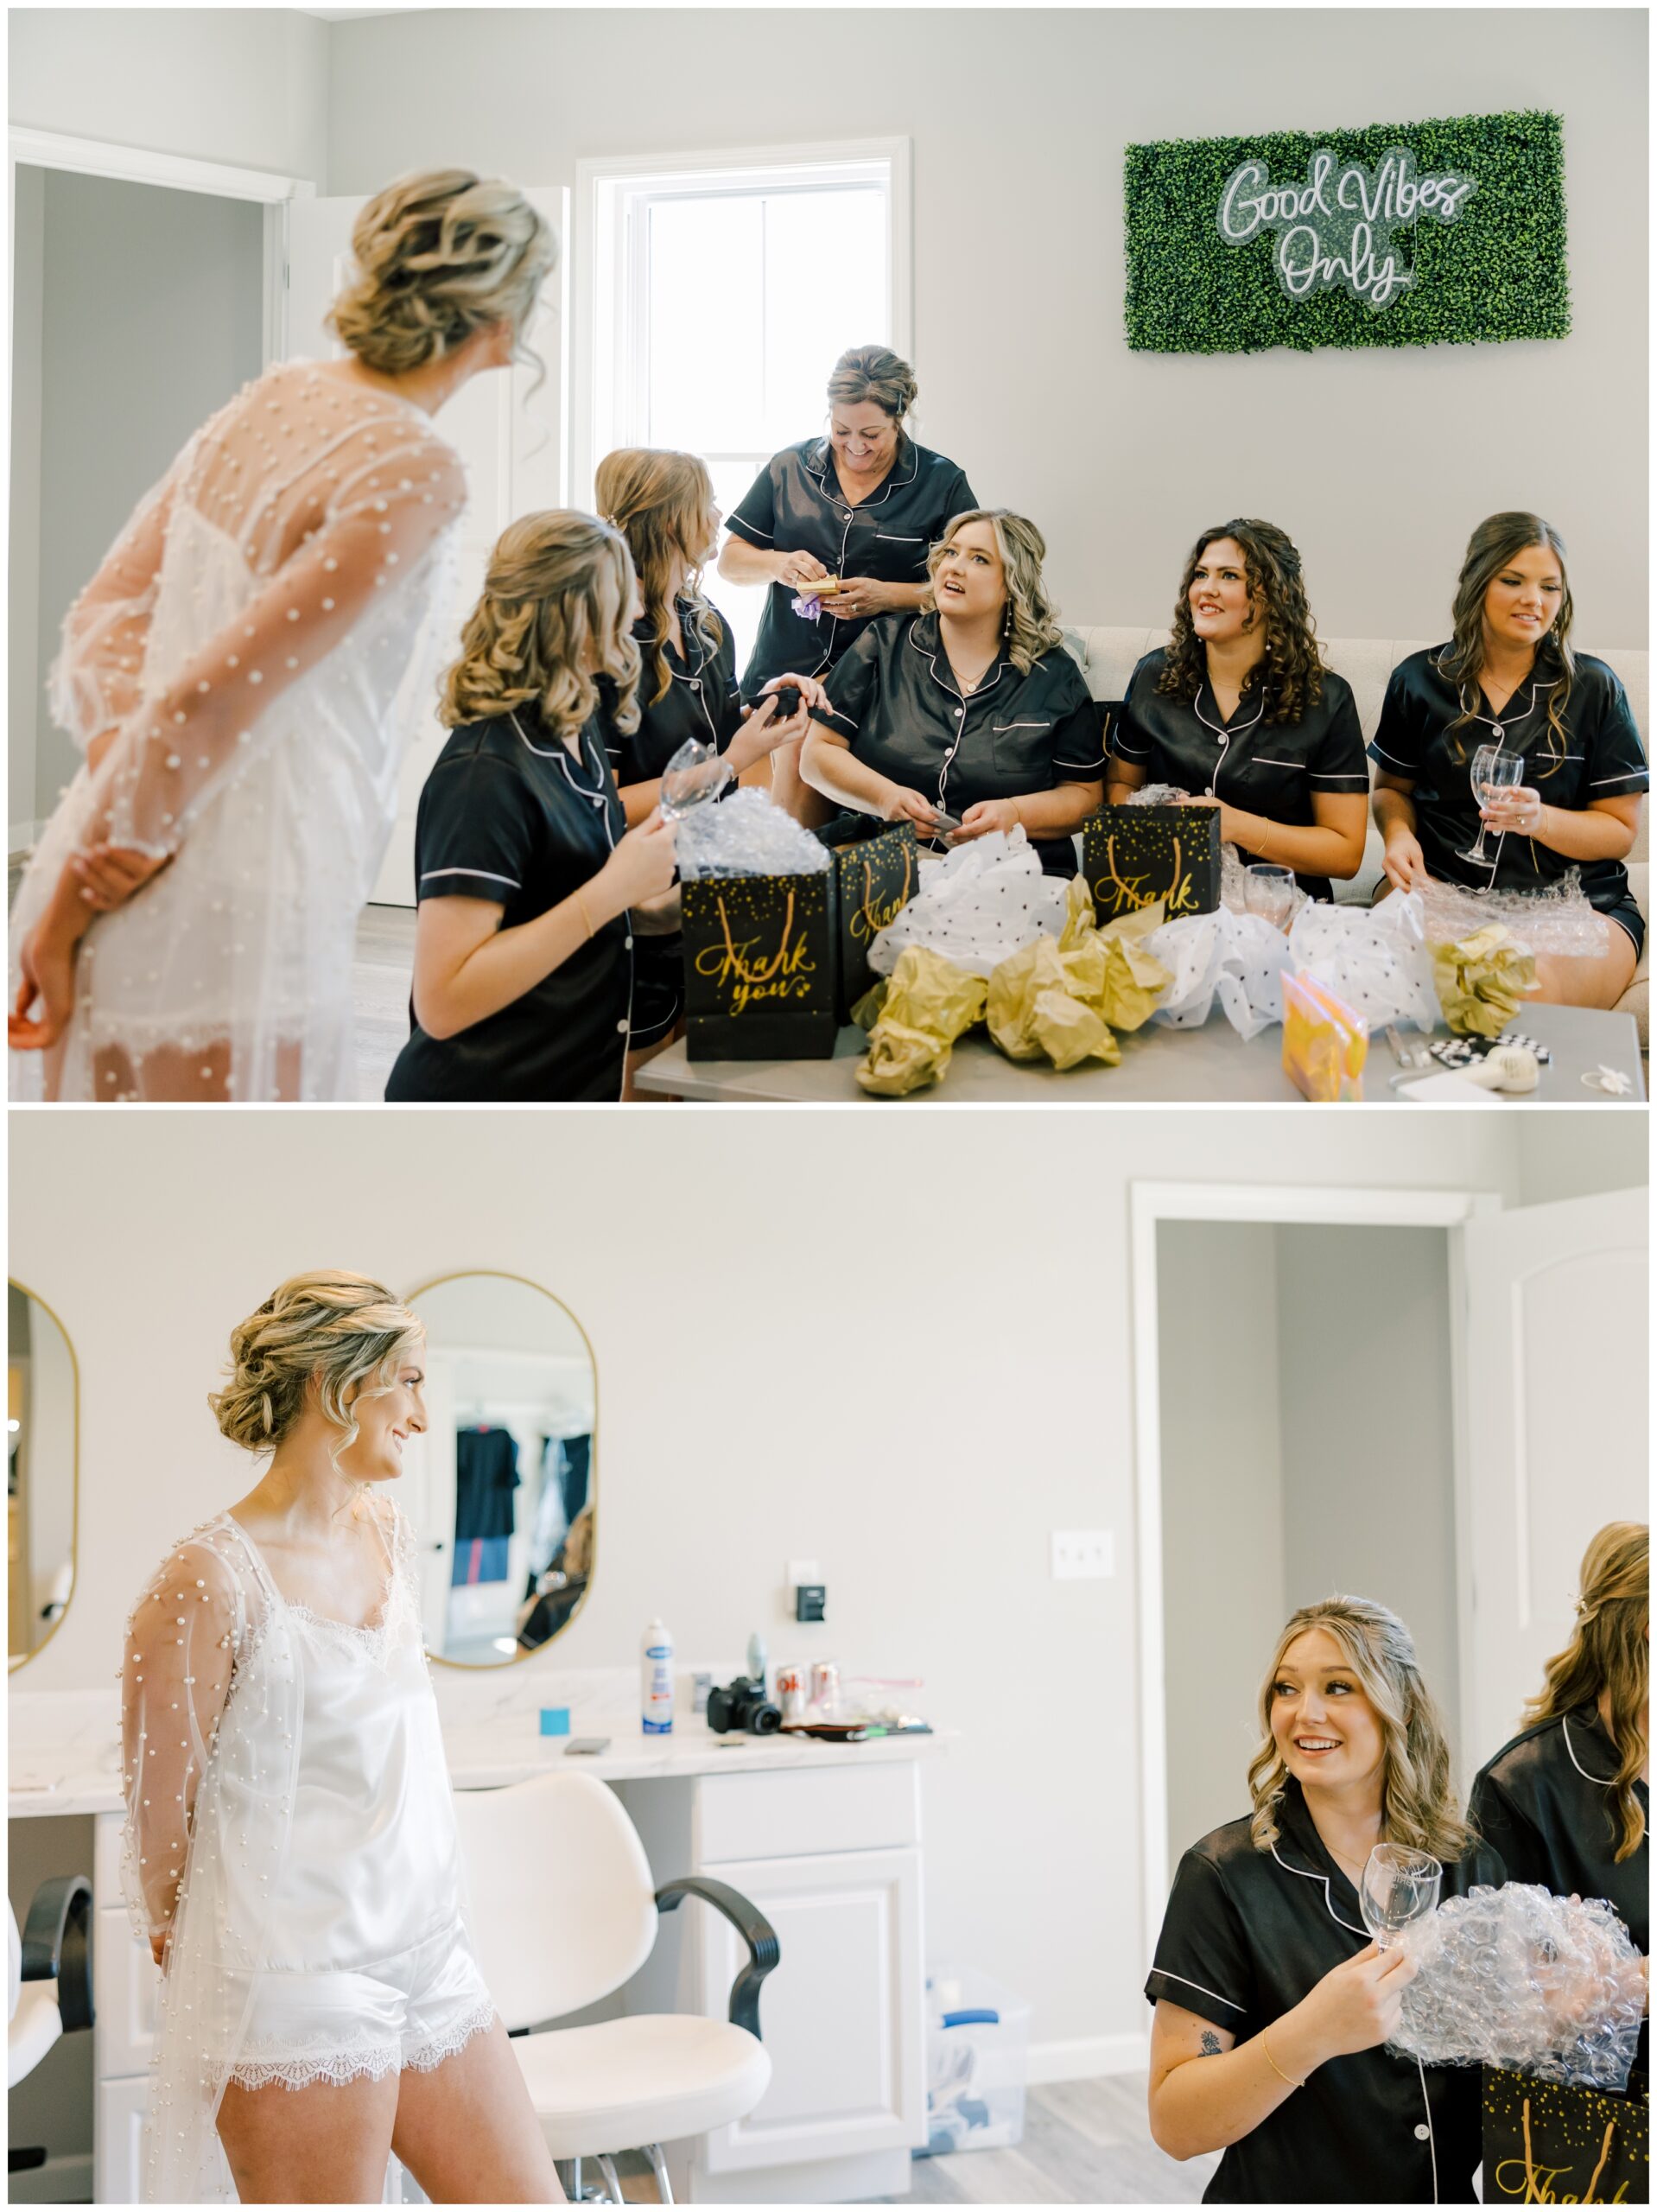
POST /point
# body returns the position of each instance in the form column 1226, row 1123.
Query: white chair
column 563, row 1913
column 50, row 1985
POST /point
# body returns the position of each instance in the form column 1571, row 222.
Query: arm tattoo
column 1210, row 2043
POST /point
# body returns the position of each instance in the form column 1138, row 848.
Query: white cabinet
column 118, row 2139
column 125, row 1988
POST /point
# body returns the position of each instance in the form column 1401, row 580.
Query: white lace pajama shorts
column 414, row 2009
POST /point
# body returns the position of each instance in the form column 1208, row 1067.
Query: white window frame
column 608, row 190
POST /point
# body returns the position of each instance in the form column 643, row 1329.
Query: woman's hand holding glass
column 641, row 868
column 1519, row 811
column 1356, row 2005
column 1493, row 772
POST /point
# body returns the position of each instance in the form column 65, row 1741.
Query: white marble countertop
column 64, row 1750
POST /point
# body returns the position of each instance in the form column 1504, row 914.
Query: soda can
column 825, row 1685
column 791, row 1691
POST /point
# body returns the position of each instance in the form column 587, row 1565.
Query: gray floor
column 1085, row 2143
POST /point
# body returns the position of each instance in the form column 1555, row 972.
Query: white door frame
column 52, row 150
column 1152, row 1204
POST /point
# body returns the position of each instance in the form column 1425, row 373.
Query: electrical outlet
column 1083, row 1554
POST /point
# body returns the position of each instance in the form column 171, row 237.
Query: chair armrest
column 58, row 1945
column 750, row 1923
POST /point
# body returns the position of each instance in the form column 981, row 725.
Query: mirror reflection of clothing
column 796, row 505
column 1545, row 1802
column 1248, row 1933
column 290, row 1820
column 1271, row 770
column 1603, row 758
column 895, row 700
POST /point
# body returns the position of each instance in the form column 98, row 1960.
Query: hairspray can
column 655, row 1669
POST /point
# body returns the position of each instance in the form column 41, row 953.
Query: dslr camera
column 742, row 1708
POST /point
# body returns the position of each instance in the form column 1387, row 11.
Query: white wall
column 244, row 86
column 1562, row 1156
column 790, row 1365
column 168, row 287
column 22, row 599
column 1223, row 1537
column 1378, row 462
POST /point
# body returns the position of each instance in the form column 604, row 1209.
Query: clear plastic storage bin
column 977, row 2058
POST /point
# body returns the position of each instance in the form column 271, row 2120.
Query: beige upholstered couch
column 1108, row 657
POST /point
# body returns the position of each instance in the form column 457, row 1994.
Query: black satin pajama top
column 1248, row 1934
column 796, row 505
column 1545, row 1803
column 508, row 814
column 1603, row 758
column 895, row 699
column 1272, row 771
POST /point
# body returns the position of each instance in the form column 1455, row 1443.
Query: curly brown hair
column 1291, row 672
column 1490, row 549
column 556, row 614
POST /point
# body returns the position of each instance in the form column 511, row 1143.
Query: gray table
column 1158, row 1062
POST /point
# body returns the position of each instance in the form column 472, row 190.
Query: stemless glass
column 1493, row 771
column 1268, row 891
column 693, row 777
column 1400, row 1885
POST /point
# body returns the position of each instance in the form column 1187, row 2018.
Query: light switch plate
column 1083, row 1554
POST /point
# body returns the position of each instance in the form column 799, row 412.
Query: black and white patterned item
column 1460, row 1052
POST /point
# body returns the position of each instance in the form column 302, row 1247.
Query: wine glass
column 1400, row 1885
column 693, row 777
column 1493, row 771
column 1268, row 891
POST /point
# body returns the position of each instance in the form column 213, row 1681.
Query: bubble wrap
column 1558, row 920
column 1157, row 795
column 746, row 834
column 983, row 902
column 1375, row 957
column 1517, row 1977
column 1238, row 958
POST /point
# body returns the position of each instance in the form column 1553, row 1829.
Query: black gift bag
column 877, row 869
column 1547, row 2143
column 1133, row 855
column 760, row 955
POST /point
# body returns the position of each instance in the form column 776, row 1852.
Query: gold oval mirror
column 501, row 1488
column 43, row 1454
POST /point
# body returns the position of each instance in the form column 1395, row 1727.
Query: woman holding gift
column 1239, row 711
column 663, row 504
column 970, row 713
column 1271, row 2004
column 1567, row 1803
column 859, row 508
column 525, row 870
column 1508, row 677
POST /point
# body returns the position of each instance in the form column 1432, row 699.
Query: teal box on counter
column 554, row 1720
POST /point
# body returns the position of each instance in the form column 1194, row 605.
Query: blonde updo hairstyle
column 662, row 504
column 556, row 611
column 339, row 1336
column 1028, row 621
column 873, row 372
column 1418, row 1804
column 441, row 255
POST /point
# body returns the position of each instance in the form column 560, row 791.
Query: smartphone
column 581, row 1747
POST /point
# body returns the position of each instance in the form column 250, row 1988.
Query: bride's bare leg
column 467, row 2132
column 318, row 2145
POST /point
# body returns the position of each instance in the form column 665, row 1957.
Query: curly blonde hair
column 441, row 255
column 1417, row 1805
column 1609, row 1650
column 663, row 504
column 1031, row 630
column 556, row 614
column 344, row 1333
column 873, row 372
column 1289, row 676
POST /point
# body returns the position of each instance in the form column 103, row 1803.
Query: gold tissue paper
column 1064, row 997
column 1483, row 980
column 924, row 1006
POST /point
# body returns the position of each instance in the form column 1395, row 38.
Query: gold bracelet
column 585, row 917
column 1017, row 816
column 1275, row 2068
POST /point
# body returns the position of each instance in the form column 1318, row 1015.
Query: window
column 716, row 294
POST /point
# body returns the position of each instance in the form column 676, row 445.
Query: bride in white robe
column 244, row 674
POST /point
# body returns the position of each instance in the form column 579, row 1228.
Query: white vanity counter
column 824, row 1838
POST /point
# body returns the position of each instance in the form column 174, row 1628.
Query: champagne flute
column 1400, row 1885
column 693, row 777
column 1268, row 891
column 1493, row 771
